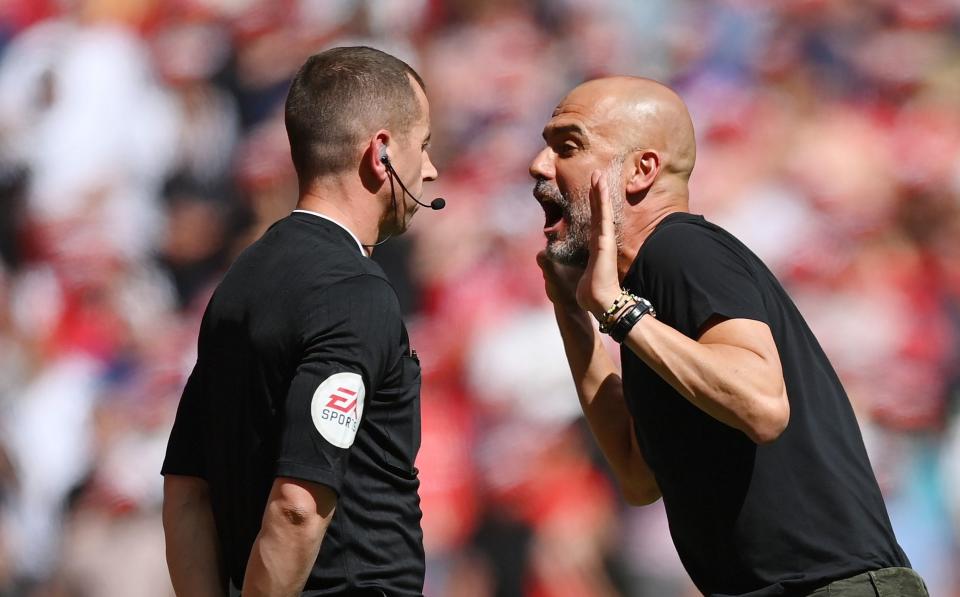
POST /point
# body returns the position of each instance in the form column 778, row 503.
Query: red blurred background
column 142, row 147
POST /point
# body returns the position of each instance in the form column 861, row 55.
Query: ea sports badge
column 337, row 408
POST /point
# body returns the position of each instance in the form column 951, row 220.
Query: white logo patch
column 337, row 408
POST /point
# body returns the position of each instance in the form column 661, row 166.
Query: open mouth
column 552, row 214
column 552, row 202
column 552, row 211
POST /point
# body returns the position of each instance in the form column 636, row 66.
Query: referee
column 290, row 467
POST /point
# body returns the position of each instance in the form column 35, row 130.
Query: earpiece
column 437, row 203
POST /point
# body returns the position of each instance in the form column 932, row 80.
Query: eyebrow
column 551, row 130
column 427, row 138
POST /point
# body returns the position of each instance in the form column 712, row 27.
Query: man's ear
column 374, row 155
column 644, row 166
column 372, row 170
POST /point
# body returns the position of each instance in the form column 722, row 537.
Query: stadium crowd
column 142, row 147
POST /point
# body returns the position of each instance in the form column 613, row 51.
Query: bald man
column 727, row 407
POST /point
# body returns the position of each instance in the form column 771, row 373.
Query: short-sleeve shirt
column 748, row 519
column 304, row 370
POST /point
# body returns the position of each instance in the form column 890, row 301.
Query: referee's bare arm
column 599, row 386
column 193, row 557
column 294, row 523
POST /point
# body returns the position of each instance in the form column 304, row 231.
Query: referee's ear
column 373, row 158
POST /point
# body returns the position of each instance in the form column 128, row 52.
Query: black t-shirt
column 750, row 519
column 304, row 370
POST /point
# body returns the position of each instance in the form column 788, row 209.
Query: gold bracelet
column 606, row 319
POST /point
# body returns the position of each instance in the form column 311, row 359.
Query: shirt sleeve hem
column 727, row 314
column 311, row 473
column 183, row 471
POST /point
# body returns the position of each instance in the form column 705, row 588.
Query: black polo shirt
column 304, row 370
column 753, row 520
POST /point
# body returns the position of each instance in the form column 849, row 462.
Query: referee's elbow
column 300, row 505
column 298, row 516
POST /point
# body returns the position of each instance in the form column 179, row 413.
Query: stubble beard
column 396, row 220
column 574, row 247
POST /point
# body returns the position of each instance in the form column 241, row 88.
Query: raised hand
column 599, row 286
column 560, row 281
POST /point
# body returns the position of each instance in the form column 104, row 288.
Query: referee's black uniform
column 304, row 370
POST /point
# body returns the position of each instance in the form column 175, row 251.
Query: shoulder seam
column 370, row 275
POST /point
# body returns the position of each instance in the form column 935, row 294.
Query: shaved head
column 639, row 113
column 639, row 134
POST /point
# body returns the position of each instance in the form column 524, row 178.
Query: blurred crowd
column 142, row 147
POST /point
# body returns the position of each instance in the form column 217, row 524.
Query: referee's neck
column 357, row 213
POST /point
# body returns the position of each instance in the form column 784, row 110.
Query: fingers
column 557, row 272
column 596, row 204
column 547, row 266
column 600, row 210
column 542, row 260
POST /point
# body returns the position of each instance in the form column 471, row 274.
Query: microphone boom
column 436, row 204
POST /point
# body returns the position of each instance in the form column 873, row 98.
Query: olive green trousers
column 886, row 582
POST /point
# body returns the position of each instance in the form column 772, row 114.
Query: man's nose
column 542, row 165
column 430, row 171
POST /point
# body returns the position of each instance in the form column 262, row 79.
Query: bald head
column 635, row 132
column 637, row 113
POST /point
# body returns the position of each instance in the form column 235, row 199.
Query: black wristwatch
column 629, row 319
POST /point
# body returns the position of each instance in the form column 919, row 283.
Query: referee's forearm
column 295, row 520
column 280, row 561
column 193, row 558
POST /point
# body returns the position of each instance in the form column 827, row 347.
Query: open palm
column 599, row 286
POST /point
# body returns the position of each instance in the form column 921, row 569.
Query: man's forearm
column 294, row 523
column 600, row 390
column 191, row 539
column 280, row 561
column 739, row 385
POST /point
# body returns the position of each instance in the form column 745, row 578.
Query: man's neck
column 639, row 223
column 344, row 205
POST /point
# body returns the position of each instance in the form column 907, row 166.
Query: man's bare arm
column 193, row 556
column 600, row 390
column 294, row 522
column 732, row 373
column 599, row 386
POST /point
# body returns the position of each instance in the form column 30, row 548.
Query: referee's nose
column 429, row 171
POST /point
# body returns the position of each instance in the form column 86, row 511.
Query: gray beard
column 574, row 248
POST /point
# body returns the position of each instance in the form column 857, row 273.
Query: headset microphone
column 436, row 204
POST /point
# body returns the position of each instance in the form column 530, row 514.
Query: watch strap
column 625, row 323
